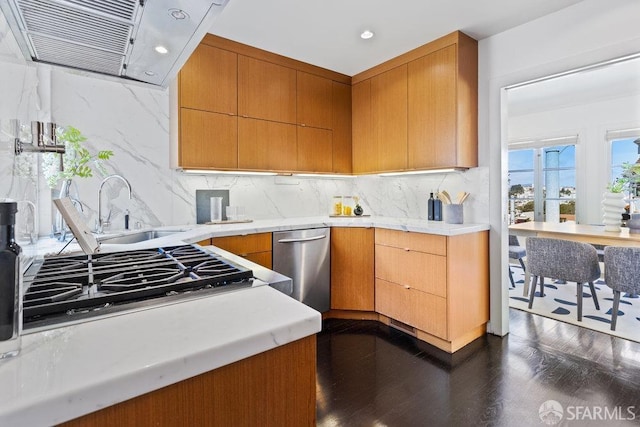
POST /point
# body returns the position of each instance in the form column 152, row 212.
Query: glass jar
column 347, row 205
column 336, row 206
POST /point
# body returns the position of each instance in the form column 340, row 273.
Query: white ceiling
column 326, row 33
column 596, row 84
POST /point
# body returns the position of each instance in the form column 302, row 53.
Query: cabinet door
column 389, row 118
column 315, row 150
column 364, row 148
column 265, row 145
column 341, row 128
column 209, row 80
column 266, row 91
column 432, row 110
column 208, row 140
column 314, row 101
column 352, row 270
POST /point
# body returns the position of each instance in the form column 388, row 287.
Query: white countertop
column 197, row 232
column 67, row 372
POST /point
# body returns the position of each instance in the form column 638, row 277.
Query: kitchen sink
column 137, row 237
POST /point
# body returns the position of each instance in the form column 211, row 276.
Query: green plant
column 77, row 159
column 629, row 180
column 617, row 186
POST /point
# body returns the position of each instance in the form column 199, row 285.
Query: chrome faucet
column 100, row 223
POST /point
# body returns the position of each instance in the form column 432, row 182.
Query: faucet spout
column 99, row 227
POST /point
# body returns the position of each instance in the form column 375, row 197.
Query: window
column 623, row 151
column 542, row 182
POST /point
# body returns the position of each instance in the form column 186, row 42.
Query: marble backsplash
column 133, row 121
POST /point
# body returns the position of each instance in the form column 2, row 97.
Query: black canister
column 9, row 273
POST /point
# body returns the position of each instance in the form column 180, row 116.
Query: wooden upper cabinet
column 209, row 79
column 341, row 128
column 364, row 148
column 266, row 91
column 208, row 140
column 314, row 101
column 389, row 118
column 265, row 145
column 315, row 149
column 432, row 110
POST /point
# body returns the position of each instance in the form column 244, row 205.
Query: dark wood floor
column 372, row 375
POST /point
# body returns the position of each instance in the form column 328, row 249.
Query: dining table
column 586, row 233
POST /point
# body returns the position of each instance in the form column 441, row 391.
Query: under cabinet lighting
column 424, row 172
column 216, row 172
column 323, row 175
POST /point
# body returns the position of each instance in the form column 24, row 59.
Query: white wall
column 133, row 120
column 590, row 122
column 588, row 32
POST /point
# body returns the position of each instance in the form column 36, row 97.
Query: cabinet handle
column 407, row 249
column 407, row 287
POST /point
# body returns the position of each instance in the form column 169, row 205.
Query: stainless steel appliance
column 71, row 289
column 304, row 256
column 147, row 41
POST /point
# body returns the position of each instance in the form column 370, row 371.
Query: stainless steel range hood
column 113, row 37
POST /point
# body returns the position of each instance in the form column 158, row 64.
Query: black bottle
column 437, row 209
column 430, row 203
column 9, row 272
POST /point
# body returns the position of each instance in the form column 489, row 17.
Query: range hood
column 122, row 38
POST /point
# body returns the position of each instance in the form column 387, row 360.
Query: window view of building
column 542, row 184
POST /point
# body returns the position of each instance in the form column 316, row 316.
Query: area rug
column 560, row 303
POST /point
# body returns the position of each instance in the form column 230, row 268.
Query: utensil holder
column 453, row 213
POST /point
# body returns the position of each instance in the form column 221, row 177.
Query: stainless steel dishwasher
column 304, row 256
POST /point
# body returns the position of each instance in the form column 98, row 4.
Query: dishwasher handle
column 306, row 239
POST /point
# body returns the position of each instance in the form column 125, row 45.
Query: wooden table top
column 593, row 234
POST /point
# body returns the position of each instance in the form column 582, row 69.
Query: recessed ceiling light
column 150, row 73
column 178, row 14
column 366, row 34
column 161, row 49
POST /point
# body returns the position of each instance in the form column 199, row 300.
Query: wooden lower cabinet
column 254, row 247
column 274, row 388
column 352, row 269
column 443, row 296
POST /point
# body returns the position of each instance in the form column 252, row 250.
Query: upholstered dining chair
column 515, row 252
column 622, row 274
column 563, row 260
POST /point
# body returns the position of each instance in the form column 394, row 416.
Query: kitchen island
column 232, row 355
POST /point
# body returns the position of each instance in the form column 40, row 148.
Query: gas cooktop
column 69, row 289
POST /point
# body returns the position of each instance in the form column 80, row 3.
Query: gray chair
column 516, row 252
column 563, row 260
column 622, row 274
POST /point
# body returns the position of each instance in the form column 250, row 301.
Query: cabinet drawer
column 429, row 243
column 418, row 309
column 419, row 270
column 261, row 258
column 243, row 245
